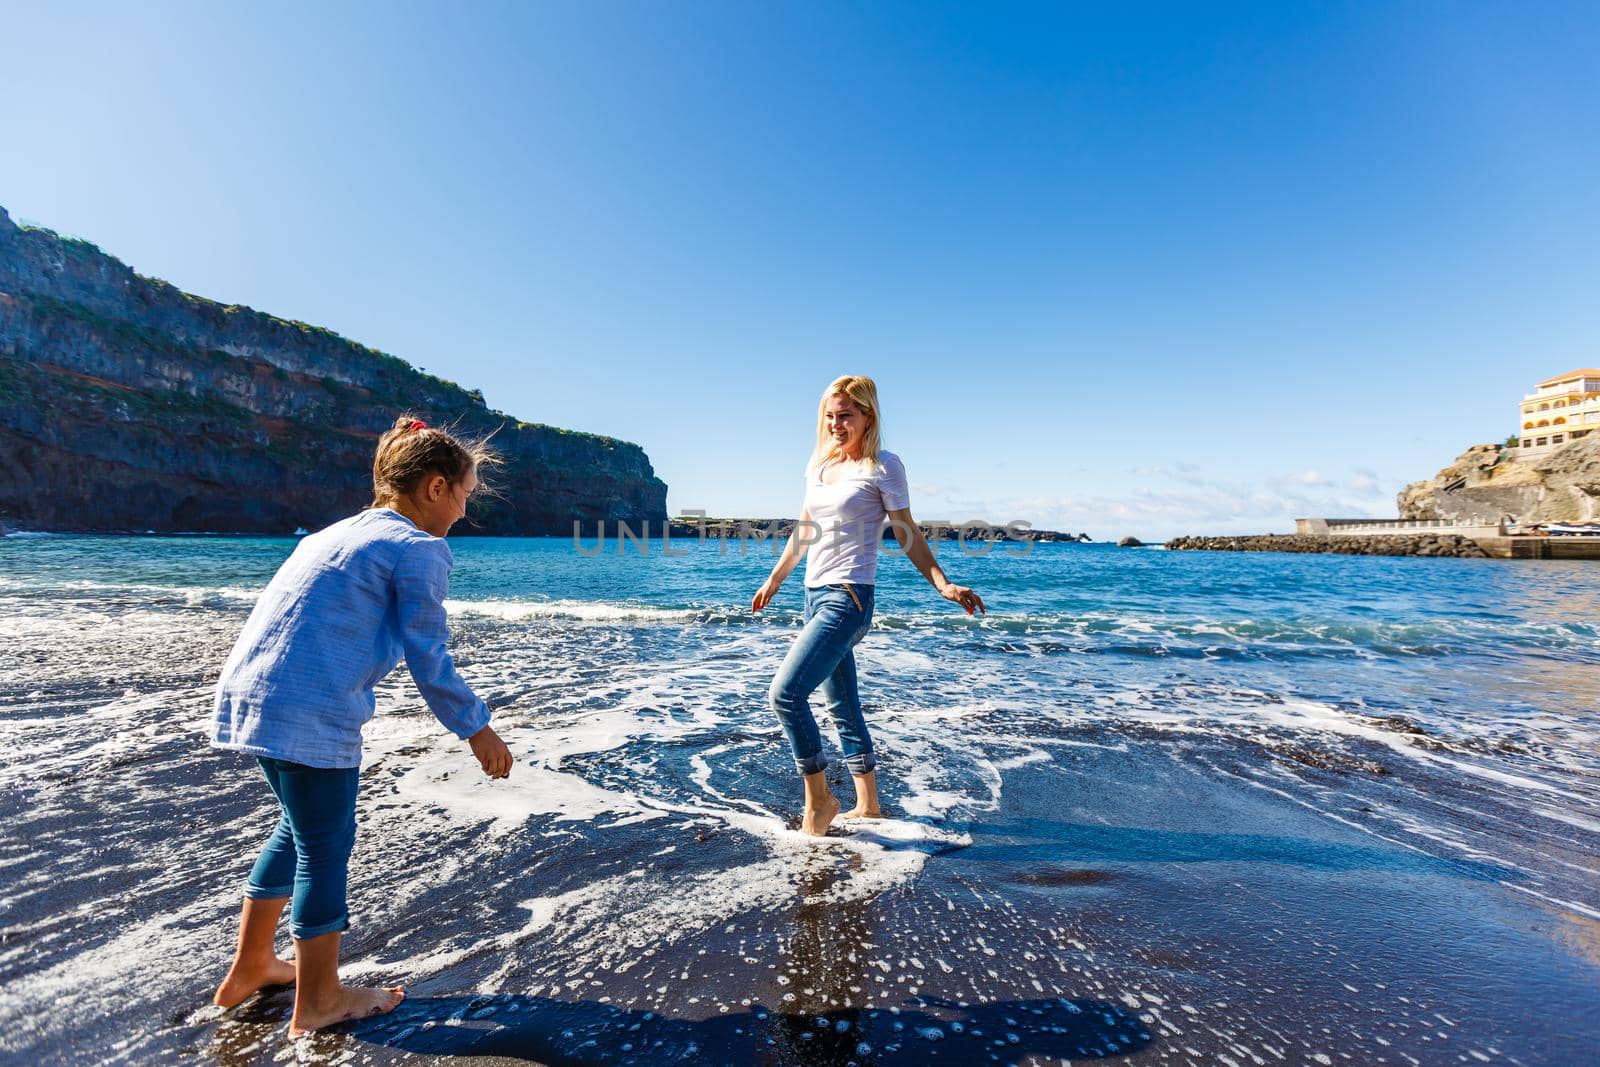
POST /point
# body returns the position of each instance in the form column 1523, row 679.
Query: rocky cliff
column 128, row 404
column 1484, row 485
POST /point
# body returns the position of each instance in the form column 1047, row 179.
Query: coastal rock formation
column 781, row 529
column 1130, row 542
column 1383, row 545
column 1486, row 484
column 128, row 404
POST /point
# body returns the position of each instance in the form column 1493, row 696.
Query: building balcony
column 1567, row 408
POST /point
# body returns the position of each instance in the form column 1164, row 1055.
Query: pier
column 1498, row 540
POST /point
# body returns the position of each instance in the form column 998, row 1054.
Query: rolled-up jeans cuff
column 278, row 892
column 306, row 933
column 862, row 764
column 812, row 764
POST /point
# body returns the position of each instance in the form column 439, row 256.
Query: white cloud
column 1168, row 501
column 1365, row 482
column 1307, row 477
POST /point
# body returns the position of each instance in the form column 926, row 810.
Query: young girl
column 297, row 688
column 852, row 488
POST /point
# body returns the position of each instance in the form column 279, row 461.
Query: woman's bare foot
column 346, row 1005
column 244, row 979
column 821, row 805
column 866, row 797
column 816, row 820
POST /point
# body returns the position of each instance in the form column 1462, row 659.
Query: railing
column 1396, row 525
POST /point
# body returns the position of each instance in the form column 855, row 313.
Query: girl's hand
column 763, row 595
column 492, row 753
column 963, row 596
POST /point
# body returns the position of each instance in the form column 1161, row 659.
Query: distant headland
column 127, row 404
column 782, row 529
column 1534, row 496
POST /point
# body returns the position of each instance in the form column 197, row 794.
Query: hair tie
column 417, row 424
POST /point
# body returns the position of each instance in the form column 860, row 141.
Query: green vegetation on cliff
column 131, row 404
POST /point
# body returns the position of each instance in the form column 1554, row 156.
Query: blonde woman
column 852, row 488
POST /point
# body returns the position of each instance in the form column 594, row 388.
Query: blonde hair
column 412, row 451
column 863, row 393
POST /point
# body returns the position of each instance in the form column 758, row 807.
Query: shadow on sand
column 563, row 1033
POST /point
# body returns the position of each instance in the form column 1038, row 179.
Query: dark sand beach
column 1122, row 831
column 1081, row 924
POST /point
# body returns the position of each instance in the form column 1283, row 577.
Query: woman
column 297, row 689
column 852, row 488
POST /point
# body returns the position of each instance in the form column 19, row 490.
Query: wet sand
column 1118, row 836
column 1146, row 914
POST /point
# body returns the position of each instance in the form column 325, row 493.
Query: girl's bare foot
column 244, row 979
column 346, row 1005
column 816, row 820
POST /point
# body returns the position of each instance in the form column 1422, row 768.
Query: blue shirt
column 334, row 620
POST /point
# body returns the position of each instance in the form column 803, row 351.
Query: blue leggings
column 308, row 855
column 823, row 656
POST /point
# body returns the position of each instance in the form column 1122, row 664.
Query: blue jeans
column 308, row 855
column 837, row 617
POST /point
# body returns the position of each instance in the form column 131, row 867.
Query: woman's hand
column 492, row 753
column 792, row 551
column 764, row 595
column 963, row 596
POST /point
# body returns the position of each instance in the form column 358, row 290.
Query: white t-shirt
column 851, row 513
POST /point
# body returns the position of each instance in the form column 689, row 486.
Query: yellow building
column 1561, row 410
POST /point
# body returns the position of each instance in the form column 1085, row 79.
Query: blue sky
column 1148, row 269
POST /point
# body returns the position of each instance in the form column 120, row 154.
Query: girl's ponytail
column 410, row 451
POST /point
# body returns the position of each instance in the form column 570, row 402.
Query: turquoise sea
column 1167, row 807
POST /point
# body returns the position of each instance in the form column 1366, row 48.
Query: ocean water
column 1163, row 807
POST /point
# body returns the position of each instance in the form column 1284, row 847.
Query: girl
column 297, row 688
column 852, row 487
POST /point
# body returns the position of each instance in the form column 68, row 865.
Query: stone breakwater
column 1452, row 545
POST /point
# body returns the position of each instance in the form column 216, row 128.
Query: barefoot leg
column 319, row 998
column 255, row 965
column 821, row 805
column 866, row 797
